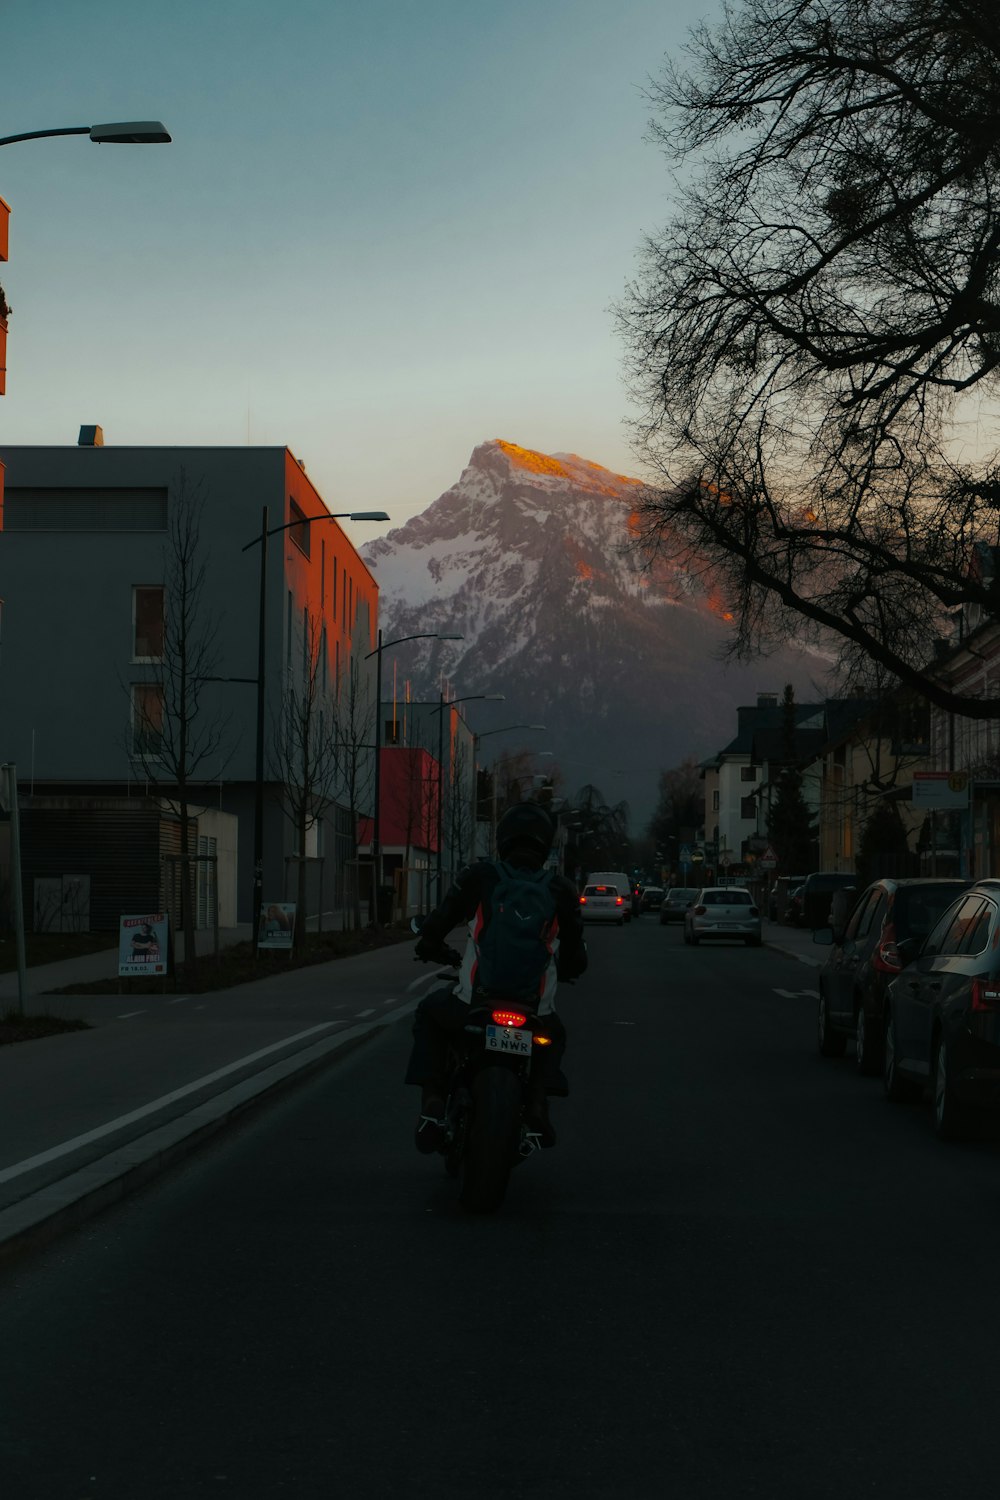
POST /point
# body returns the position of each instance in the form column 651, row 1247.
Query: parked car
column 676, row 902
column 942, row 1021
column 880, row 935
column 793, row 906
column 651, row 898
column 817, row 894
column 604, row 903
column 723, row 912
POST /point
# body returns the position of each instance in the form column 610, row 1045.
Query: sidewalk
column 86, row 1116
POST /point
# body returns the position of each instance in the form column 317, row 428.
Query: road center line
column 130, row 1013
column 100, row 1131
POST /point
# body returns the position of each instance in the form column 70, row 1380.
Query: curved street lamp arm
column 34, row 135
column 421, row 635
column 340, row 515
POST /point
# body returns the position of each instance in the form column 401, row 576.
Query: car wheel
column 898, row 1090
column 866, row 1040
column 831, row 1043
column 952, row 1121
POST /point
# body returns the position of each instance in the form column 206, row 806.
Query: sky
column 385, row 230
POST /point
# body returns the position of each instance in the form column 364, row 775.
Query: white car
column 724, row 911
column 603, row 903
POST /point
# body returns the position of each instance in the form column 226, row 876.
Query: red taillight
column 619, row 901
column 583, row 900
column 886, row 956
column 699, row 911
column 509, row 1017
column 985, row 994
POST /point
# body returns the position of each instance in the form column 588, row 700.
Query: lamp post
column 258, row 809
column 420, row 635
column 442, row 705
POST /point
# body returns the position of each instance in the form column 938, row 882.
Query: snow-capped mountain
column 532, row 558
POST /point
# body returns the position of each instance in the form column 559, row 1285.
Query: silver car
column 723, row 911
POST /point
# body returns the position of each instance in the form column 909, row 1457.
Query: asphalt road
column 741, row 1273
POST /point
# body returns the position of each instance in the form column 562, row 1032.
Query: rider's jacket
column 469, row 901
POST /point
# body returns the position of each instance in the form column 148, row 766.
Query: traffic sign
column 684, row 856
column 768, row 860
column 725, row 861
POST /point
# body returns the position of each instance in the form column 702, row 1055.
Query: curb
column 45, row 1214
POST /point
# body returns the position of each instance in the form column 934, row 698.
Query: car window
column 865, row 905
column 978, row 935
column 726, row 898
column 601, row 890
column 917, row 909
column 874, row 913
column 960, row 920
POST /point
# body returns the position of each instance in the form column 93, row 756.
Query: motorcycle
column 488, row 1130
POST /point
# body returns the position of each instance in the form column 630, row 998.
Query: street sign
column 940, row 789
column 725, row 861
column 685, row 854
column 768, row 860
column 697, row 855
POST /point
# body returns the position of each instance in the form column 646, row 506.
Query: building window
column 748, row 807
column 748, row 773
column 147, row 720
column 147, row 622
column 299, row 533
column 715, row 800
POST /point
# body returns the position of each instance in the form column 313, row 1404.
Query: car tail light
column 619, row 901
column 886, row 957
column 509, row 1017
column 583, row 900
column 699, row 911
column 985, row 994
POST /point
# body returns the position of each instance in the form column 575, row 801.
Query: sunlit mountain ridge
column 533, row 558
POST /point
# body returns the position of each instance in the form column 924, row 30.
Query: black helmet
column 526, row 828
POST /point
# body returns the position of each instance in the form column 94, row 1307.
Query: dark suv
column 943, row 1015
column 883, row 932
column 817, row 895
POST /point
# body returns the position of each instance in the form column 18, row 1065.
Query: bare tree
column 173, row 739
column 354, row 742
column 304, row 755
column 460, row 810
column 818, row 317
column 680, row 809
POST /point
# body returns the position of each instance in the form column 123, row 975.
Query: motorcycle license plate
column 508, row 1039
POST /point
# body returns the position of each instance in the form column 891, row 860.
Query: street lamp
column 420, row 635
column 442, row 705
column 122, row 133
column 258, row 809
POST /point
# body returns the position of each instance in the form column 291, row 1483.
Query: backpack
column 514, row 948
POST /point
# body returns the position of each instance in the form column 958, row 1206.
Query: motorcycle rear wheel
column 491, row 1142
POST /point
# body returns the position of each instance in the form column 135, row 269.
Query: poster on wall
column 142, row 945
column 277, row 924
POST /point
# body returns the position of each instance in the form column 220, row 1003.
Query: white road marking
column 127, row 1016
column 360, row 1013
column 795, row 994
column 147, row 1109
column 177, row 1000
column 439, row 976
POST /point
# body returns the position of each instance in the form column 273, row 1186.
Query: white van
column 620, row 880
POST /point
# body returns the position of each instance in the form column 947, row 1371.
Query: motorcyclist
column 524, row 839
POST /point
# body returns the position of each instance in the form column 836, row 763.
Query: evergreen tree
column 790, row 825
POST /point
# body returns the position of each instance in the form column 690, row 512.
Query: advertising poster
column 277, row 924
column 142, row 945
